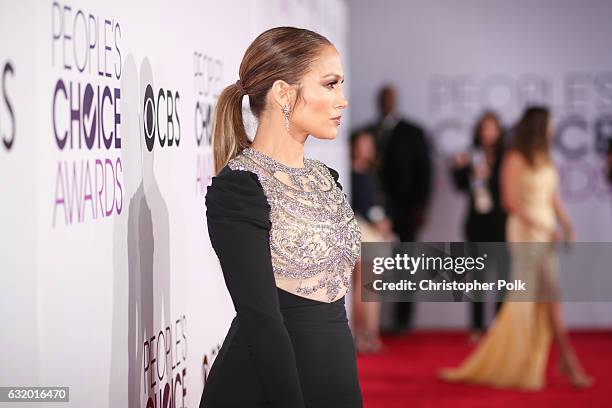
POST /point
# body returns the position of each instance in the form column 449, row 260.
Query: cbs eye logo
column 203, row 115
column 7, row 114
column 157, row 112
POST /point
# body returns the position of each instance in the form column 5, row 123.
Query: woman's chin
column 333, row 132
column 326, row 136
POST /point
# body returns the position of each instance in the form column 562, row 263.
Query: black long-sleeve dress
column 284, row 253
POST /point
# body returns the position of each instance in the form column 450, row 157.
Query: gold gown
column 514, row 351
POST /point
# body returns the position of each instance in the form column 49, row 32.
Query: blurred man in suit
column 405, row 170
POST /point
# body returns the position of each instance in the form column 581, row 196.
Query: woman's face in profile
column 364, row 147
column 489, row 132
column 322, row 99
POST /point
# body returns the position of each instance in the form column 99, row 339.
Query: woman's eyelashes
column 331, row 85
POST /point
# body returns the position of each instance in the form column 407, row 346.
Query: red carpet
column 404, row 375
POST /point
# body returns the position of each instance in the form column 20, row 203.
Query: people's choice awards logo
column 208, row 84
column 85, row 115
column 165, row 366
column 580, row 102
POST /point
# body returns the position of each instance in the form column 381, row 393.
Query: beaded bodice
column 314, row 238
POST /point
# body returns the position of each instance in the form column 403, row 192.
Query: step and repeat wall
column 109, row 283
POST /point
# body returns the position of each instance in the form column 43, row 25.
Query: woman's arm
column 238, row 224
column 562, row 217
column 512, row 166
column 460, row 170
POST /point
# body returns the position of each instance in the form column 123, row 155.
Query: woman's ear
column 283, row 93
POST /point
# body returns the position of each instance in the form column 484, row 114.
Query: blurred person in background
column 514, row 351
column 477, row 174
column 609, row 161
column 367, row 201
column 404, row 166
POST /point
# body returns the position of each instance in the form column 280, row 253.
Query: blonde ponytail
column 229, row 136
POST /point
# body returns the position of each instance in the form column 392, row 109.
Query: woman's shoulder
column 235, row 180
column 516, row 161
column 238, row 193
column 515, row 155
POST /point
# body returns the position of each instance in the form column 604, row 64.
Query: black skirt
column 324, row 352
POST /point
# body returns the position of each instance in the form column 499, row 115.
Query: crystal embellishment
column 314, row 238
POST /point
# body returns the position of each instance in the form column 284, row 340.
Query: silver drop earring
column 286, row 113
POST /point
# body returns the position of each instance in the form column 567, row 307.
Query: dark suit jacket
column 405, row 171
column 490, row 227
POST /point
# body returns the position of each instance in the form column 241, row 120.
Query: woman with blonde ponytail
column 285, row 235
column 229, row 135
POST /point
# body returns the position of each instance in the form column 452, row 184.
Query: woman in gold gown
column 515, row 350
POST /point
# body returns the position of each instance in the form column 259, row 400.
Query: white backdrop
column 450, row 60
column 110, row 285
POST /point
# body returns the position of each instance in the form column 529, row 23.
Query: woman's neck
column 489, row 152
column 274, row 141
column 359, row 165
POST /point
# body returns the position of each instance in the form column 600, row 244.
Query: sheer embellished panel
column 314, row 238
